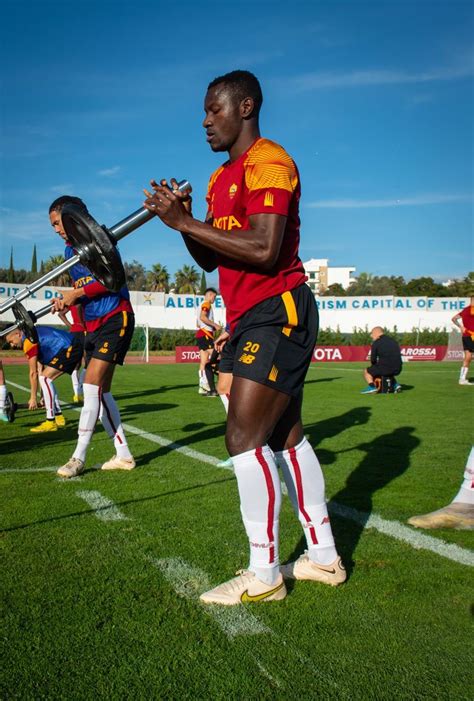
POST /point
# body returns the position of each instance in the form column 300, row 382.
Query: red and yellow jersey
column 31, row 350
column 263, row 180
column 205, row 329
column 467, row 316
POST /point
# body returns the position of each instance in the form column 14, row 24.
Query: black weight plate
column 25, row 321
column 10, row 407
column 95, row 247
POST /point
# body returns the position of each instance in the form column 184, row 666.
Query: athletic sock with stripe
column 111, row 421
column 260, row 501
column 87, row 419
column 305, row 483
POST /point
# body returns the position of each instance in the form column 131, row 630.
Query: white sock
column 87, row 419
column 260, row 501
column 225, row 402
column 57, row 404
column 305, row 483
column 110, row 418
column 3, row 396
column 49, row 395
column 463, row 373
column 466, row 493
column 75, row 382
column 203, row 380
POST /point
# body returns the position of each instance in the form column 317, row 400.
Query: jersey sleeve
column 271, row 178
column 31, row 350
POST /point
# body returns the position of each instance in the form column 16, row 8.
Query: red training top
column 263, row 180
column 467, row 316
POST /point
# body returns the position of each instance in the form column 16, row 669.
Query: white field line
column 104, row 508
column 18, row 470
column 393, row 529
column 189, row 582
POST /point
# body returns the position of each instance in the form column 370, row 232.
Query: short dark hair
column 210, row 289
column 59, row 203
column 241, row 84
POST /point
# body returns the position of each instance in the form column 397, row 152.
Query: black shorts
column 274, row 341
column 379, row 370
column 204, row 343
column 67, row 359
column 226, row 363
column 468, row 343
column 80, row 337
column 111, row 341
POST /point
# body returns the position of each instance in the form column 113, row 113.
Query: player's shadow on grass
column 387, row 457
column 328, row 428
column 322, row 379
column 130, row 410
column 118, row 504
column 153, row 391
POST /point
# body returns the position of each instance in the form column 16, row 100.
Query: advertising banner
column 345, row 354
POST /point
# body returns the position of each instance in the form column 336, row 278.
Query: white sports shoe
column 243, row 589
column 117, row 463
column 72, row 468
column 456, row 515
column 465, row 382
column 304, row 568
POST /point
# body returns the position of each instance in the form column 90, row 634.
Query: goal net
column 455, row 350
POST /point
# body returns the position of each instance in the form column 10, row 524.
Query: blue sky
column 374, row 101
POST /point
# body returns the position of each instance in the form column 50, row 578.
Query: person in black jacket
column 385, row 358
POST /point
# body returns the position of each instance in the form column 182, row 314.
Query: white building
column 321, row 275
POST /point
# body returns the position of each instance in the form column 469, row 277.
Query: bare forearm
column 204, row 257
column 239, row 245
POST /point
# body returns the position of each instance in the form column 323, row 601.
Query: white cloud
column 62, row 188
column 333, row 79
column 109, row 172
column 417, row 200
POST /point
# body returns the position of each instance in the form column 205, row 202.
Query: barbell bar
column 26, row 320
column 95, row 246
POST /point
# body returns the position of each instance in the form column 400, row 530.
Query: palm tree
column 158, row 278
column 62, row 280
column 362, row 285
column 186, row 280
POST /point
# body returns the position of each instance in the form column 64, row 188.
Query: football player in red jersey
column 251, row 234
column 464, row 320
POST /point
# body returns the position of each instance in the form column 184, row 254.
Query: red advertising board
column 344, row 354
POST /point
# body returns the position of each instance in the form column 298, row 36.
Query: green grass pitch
column 101, row 574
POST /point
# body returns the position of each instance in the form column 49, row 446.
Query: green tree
column 34, row 262
column 11, row 269
column 62, row 280
column 203, row 285
column 361, row 286
column 135, row 275
column 424, row 287
column 334, row 290
column 158, row 278
column 383, row 285
column 461, row 288
column 186, row 280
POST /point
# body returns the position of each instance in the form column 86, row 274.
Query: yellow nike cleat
column 243, row 589
column 77, row 399
column 45, row 427
column 60, row 421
